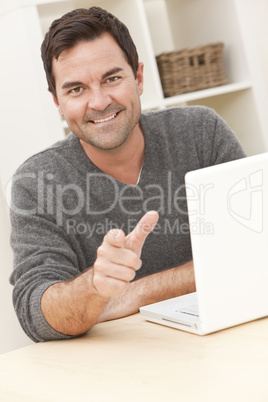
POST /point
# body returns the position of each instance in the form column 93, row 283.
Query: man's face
column 97, row 92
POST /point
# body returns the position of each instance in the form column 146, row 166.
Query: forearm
column 73, row 307
column 151, row 289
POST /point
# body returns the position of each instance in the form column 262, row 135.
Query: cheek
column 73, row 110
column 129, row 94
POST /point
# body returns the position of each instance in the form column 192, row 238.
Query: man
column 82, row 209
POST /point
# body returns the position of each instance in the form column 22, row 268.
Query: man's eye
column 76, row 90
column 112, row 79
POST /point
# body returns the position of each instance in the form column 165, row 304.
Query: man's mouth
column 104, row 120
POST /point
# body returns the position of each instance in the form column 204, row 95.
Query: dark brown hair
column 82, row 25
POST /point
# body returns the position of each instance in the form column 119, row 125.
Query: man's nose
column 99, row 99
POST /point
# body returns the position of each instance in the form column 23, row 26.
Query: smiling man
column 99, row 220
column 103, row 107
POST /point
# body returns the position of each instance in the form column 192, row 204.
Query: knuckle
column 98, row 282
column 139, row 263
column 100, row 266
column 97, row 267
column 134, row 260
column 131, row 275
column 106, row 237
column 113, row 235
column 101, row 251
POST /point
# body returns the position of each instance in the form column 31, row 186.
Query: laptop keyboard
column 191, row 309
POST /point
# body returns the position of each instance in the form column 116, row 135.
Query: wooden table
column 134, row 360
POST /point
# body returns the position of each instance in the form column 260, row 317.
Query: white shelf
column 207, row 93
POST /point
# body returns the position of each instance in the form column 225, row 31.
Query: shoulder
column 191, row 112
column 179, row 123
column 187, row 118
column 50, row 155
column 193, row 130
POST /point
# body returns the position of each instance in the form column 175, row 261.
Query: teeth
column 103, row 120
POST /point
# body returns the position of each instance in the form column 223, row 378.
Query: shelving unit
column 242, row 101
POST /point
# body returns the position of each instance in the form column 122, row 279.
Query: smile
column 106, row 119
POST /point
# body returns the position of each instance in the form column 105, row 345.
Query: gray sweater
column 63, row 205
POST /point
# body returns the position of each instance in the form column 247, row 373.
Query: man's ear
column 139, row 77
column 57, row 104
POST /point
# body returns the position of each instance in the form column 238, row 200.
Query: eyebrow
column 114, row 70
column 72, row 84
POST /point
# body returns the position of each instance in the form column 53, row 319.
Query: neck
column 123, row 163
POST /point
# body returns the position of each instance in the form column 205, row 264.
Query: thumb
column 134, row 240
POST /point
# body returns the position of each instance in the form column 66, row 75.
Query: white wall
column 22, row 133
column 259, row 14
column 11, row 334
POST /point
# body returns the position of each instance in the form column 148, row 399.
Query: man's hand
column 105, row 291
column 118, row 257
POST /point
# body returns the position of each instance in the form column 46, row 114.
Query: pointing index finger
column 136, row 238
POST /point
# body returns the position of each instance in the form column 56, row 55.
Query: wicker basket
column 191, row 69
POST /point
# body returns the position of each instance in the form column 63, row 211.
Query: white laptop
column 228, row 217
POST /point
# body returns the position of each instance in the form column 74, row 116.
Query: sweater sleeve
column 43, row 256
